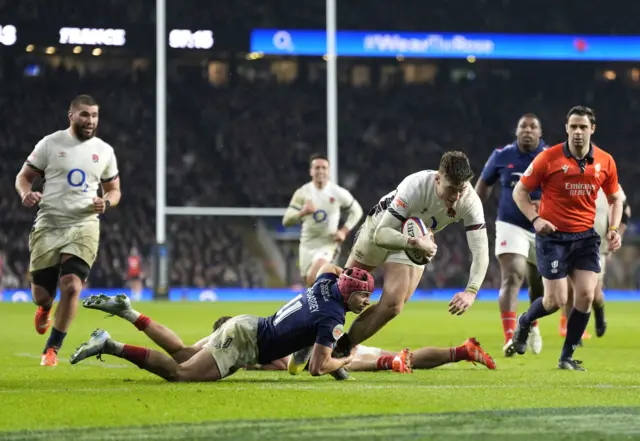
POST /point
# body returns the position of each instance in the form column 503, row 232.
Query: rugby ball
column 414, row 227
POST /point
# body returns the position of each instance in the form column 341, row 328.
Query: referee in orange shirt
column 570, row 175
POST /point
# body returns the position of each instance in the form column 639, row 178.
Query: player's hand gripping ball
column 414, row 227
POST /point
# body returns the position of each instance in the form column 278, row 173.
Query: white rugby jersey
column 328, row 201
column 416, row 197
column 72, row 171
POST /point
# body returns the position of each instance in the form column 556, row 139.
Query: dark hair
column 221, row 321
column 82, row 100
column 530, row 116
column 317, row 156
column 455, row 166
column 583, row 111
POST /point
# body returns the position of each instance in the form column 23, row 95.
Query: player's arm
column 32, row 169
column 478, row 242
column 615, row 196
column 110, row 181
column 329, row 268
column 355, row 213
column 322, row 363
column 530, row 181
column 388, row 234
column 489, row 176
column 626, row 215
column 296, row 209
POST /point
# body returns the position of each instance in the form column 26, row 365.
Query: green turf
column 458, row 401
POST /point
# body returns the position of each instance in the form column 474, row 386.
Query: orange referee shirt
column 569, row 186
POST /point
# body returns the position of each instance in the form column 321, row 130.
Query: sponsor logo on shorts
column 503, row 243
column 399, row 202
column 554, row 267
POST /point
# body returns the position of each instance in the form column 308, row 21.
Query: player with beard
column 515, row 245
column 63, row 242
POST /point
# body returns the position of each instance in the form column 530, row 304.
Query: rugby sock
column 576, row 325
column 55, row 340
column 113, row 347
column 131, row 315
column 598, row 314
column 135, row 354
column 508, row 324
column 385, row 362
column 535, row 312
column 141, row 322
column 459, row 353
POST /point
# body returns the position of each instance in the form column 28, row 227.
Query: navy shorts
column 560, row 253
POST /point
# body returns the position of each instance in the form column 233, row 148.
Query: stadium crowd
column 247, row 143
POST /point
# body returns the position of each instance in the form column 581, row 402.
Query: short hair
column 80, row 100
column 317, row 156
column 530, row 116
column 583, row 111
column 221, row 321
column 456, row 167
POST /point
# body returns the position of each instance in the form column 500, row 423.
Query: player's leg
column 368, row 358
column 585, row 263
column 512, row 249
column 552, row 255
column 400, row 281
column 470, row 350
column 164, row 337
column 564, row 312
column 598, row 300
column 201, row 367
column 44, row 269
column 512, row 271
column 536, row 291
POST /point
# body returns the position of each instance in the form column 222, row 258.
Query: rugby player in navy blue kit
column 515, row 240
column 313, row 318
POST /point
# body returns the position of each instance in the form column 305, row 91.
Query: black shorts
column 560, row 253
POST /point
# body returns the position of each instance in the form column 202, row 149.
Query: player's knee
column 512, row 279
column 554, row 302
column 45, row 283
column 391, row 309
column 74, row 270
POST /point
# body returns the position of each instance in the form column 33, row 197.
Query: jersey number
column 78, row 178
column 294, row 305
column 224, row 344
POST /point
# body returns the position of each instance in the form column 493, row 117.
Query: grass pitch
column 526, row 397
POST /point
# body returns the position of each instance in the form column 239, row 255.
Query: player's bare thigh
column 400, row 282
column 584, row 288
column 200, row 367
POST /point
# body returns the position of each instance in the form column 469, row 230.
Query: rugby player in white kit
column 601, row 225
column 63, row 243
column 317, row 205
column 438, row 198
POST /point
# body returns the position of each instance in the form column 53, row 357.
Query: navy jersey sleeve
column 329, row 329
column 491, row 172
column 326, row 276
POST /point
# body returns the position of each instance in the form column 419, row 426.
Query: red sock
column 142, row 322
column 136, row 355
column 385, row 362
column 508, row 324
column 458, row 354
column 535, row 323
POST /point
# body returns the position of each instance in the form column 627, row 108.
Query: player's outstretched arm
column 322, row 363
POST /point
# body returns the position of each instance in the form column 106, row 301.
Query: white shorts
column 366, row 252
column 309, row 254
column 234, row 344
column 603, row 266
column 511, row 239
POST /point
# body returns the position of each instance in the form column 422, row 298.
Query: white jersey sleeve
column 38, row 157
column 407, row 198
column 110, row 172
column 474, row 225
column 473, row 215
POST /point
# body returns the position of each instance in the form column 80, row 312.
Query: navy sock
column 55, row 340
column 576, row 325
column 598, row 314
column 535, row 312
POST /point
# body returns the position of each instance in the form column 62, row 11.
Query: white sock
column 131, row 315
column 113, row 347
